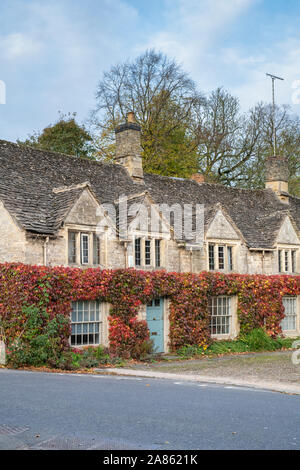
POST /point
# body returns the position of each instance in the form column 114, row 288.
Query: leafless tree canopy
column 183, row 131
column 133, row 86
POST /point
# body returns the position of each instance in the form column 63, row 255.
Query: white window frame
column 221, row 320
column 289, row 300
column 82, row 236
column 91, row 317
column 152, row 251
column 225, row 247
column 285, row 259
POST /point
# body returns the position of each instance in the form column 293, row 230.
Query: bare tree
column 156, row 89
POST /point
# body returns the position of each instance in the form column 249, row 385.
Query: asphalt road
column 56, row 411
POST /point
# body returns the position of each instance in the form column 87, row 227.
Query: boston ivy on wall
column 53, row 289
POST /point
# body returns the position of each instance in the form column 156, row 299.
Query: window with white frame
column 79, row 248
column 71, row 247
column 289, row 323
column 147, row 252
column 220, row 315
column 85, row 323
column 220, row 257
column 84, row 248
column 287, row 260
column 96, row 249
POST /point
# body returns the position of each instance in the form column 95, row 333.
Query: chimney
column 277, row 176
column 198, row 177
column 128, row 148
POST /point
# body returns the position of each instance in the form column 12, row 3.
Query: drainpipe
column 191, row 258
column 45, row 251
column 126, row 255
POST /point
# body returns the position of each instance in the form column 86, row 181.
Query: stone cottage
column 61, row 210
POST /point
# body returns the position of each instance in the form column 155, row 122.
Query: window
column 147, row 252
column 85, row 323
column 157, row 253
column 294, row 269
column 220, row 310
column 72, row 247
column 289, row 323
column 220, row 257
column 229, row 258
column 279, row 261
column 84, row 248
column 287, row 261
column 96, row 249
column 211, row 256
column 138, row 252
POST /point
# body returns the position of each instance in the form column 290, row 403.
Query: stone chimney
column 277, row 176
column 198, row 177
column 128, row 148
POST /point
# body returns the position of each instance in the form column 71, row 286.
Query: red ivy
column 259, row 300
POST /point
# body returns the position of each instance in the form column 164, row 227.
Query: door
column 155, row 320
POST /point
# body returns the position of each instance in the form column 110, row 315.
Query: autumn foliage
column 53, row 289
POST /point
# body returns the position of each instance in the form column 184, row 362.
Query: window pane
column 72, row 247
column 85, row 329
column 289, row 323
column 220, row 311
column 221, row 257
column 229, row 257
column 157, row 253
column 138, row 252
column 211, row 256
column 279, row 261
column 294, row 261
column 286, row 261
column 147, row 252
column 84, row 248
column 96, row 249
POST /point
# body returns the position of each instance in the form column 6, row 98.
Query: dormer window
column 83, row 248
column 147, row 252
column 287, row 261
column 220, row 257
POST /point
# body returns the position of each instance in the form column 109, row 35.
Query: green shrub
column 40, row 342
column 258, row 340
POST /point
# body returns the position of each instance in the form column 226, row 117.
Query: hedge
column 54, row 288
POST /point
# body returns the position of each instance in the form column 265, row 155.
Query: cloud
column 19, row 45
column 193, row 27
column 281, row 59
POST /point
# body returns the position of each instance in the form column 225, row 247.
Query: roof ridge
column 71, row 187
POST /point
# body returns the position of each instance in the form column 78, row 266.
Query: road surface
column 70, row 411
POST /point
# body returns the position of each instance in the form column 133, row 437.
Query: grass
column 255, row 341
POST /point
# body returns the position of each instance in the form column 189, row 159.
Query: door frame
column 142, row 315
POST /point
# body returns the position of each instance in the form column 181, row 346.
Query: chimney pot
column 198, row 177
column 131, row 117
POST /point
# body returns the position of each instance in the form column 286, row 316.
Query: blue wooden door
column 155, row 320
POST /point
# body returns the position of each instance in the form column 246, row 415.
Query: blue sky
column 53, row 52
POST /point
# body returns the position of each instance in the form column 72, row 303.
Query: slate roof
column 28, row 177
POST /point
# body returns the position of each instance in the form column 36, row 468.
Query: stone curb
column 262, row 385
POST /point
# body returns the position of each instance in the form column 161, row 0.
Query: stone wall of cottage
column 13, row 240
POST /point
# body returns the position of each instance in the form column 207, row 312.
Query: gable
column 85, row 211
column 287, row 233
column 144, row 216
column 221, row 228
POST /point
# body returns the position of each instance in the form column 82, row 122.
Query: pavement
column 106, row 412
column 257, row 384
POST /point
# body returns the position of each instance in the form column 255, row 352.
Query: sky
column 54, row 52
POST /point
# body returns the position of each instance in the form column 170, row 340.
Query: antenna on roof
column 273, row 77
